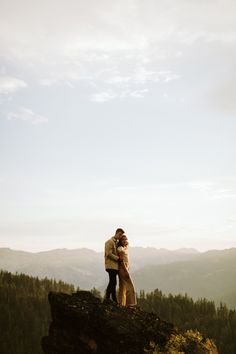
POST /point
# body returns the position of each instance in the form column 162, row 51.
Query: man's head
column 119, row 233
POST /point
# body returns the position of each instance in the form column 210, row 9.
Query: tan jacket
column 111, row 257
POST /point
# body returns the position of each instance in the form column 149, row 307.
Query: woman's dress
column 127, row 296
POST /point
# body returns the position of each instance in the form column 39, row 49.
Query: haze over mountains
column 210, row 274
column 82, row 267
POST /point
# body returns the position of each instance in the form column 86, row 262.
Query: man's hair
column 120, row 230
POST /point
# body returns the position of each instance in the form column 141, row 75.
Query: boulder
column 83, row 324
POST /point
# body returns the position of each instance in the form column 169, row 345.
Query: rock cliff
column 82, row 324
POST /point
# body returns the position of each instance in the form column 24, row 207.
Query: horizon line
column 101, row 251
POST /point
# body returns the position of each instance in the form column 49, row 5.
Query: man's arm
column 108, row 251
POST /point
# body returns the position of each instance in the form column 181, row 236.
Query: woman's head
column 124, row 241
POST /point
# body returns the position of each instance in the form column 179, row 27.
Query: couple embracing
column 117, row 263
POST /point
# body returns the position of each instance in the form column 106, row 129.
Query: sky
column 117, row 114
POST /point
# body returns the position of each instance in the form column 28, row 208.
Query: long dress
column 127, row 296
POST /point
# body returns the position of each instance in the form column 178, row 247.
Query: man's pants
column 111, row 288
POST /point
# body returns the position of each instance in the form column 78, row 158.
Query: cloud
column 135, row 44
column 224, row 189
column 48, row 81
column 123, row 93
column 10, row 84
column 102, row 97
column 223, row 95
column 118, row 79
column 169, row 76
column 202, row 185
column 26, row 115
column 137, row 93
column 208, row 189
column 225, row 194
column 123, row 25
column 53, row 38
column 231, row 220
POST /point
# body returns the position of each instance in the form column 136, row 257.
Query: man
column 112, row 263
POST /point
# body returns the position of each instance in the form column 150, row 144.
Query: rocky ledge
column 82, row 324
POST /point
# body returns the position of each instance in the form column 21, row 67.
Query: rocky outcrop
column 82, row 324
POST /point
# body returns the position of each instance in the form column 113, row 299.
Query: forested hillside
column 25, row 315
column 24, row 311
column 218, row 323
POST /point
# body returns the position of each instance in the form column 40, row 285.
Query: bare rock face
column 82, row 324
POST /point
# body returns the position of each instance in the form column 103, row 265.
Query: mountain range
column 82, row 267
column 210, row 274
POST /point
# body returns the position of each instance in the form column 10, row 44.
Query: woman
column 127, row 296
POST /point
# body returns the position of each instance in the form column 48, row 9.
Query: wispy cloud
column 137, row 93
column 202, row 185
column 225, row 194
column 102, row 97
column 48, row 81
column 10, row 84
column 224, row 189
column 27, row 115
column 140, row 75
column 223, row 94
column 118, row 79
